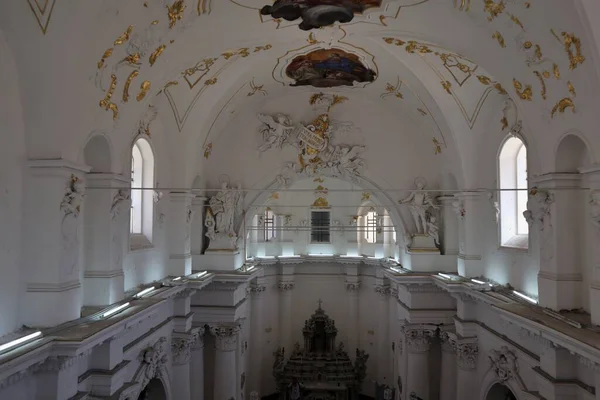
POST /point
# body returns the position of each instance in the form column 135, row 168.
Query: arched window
column 371, row 226
column 142, row 177
column 512, row 172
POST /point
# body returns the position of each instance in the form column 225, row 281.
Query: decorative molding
column 153, row 364
column 382, row 290
column 286, row 286
column 181, row 347
column 42, row 9
column 504, row 364
column 353, row 286
column 418, row 338
column 255, row 289
column 185, row 293
column 221, row 287
column 595, row 208
column 120, row 200
column 73, row 197
column 225, row 336
column 538, row 211
column 466, row 354
column 423, row 288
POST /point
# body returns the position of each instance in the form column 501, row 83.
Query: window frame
column 511, row 203
column 325, row 232
column 142, row 236
column 370, row 226
column 269, row 224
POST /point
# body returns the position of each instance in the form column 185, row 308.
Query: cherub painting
column 318, row 13
column 328, row 68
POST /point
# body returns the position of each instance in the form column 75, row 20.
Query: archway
column 153, row 391
column 500, row 392
column 571, row 154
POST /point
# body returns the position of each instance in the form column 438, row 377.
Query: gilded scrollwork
column 130, row 78
column 157, row 53
column 106, row 102
column 499, row 38
column 144, row 89
column 175, row 12
column 542, row 83
column 570, row 41
column 562, row 105
column 124, row 37
column 525, row 92
column 493, row 9
column 105, row 56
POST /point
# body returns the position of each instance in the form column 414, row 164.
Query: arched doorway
column 500, row 392
column 153, row 391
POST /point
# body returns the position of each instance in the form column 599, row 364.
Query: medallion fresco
column 324, row 68
column 317, row 13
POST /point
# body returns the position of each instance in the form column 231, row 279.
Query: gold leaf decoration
column 365, row 196
column 437, row 146
column 499, row 88
column 208, row 150
column 133, row 59
column 496, row 85
column 311, row 38
column 124, row 37
column 504, row 122
column 144, row 89
column 393, row 41
column 562, row 106
column 524, row 93
column 130, row 78
column 243, row 52
column 498, row 36
column 571, row 89
column 484, row 79
column 175, row 12
column 447, row 85
column 538, row 52
column 546, row 74
column 493, row 8
column 155, row 22
column 156, row 53
column 463, row 5
column 320, row 203
column 393, row 90
column 556, row 71
column 210, row 81
column 263, row 48
column 542, row 82
column 570, row 40
column 106, row 55
column 516, row 20
column 319, row 179
column 106, row 102
column 415, row 47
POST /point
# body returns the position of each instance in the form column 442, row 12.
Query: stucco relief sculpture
column 153, row 364
column 317, row 155
column 538, row 211
column 120, row 200
column 504, row 363
column 220, row 218
column 71, row 208
column 595, row 208
column 420, row 204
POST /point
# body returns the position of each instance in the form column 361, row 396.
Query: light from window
column 512, row 171
column 269, row 225
column 137, row 173
column 142, row 177
column 371, row 227
column 319, row 227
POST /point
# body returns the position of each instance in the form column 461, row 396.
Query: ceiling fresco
column 314, row 14
column 317, row 13
column 324, row 68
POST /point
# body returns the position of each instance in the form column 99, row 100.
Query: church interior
column 299, row 199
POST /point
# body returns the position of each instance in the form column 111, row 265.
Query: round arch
column 572, row 151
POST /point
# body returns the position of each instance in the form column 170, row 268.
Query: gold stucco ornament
column 106, row 102
column 124, row 37
column 106, row 55
column 175, row 12
column 570, row 41
column 562, row 106
column 524, row 93
column 130, row 78
column 144, row 89
column 156, row 53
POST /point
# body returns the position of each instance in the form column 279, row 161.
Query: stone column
column 226, row 338
column 448, row 373
column 468, row 208
column 256, row 340
column 197, row 225
column 418, row 342
column 106, row 232
column 556, row 217
column 179, row 228
column 353, row 289
column 51, row 254
column 591, row 179
column 181, row 348
column 285, row 314
column 383, row 342
column 449, row 231
column 197, row 368
column 466, row 359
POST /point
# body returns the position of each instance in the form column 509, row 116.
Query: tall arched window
column 371, row 226
column 142, row 205
column 512, row 174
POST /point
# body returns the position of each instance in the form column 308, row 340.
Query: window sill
column 517, row 243
column 139, row 242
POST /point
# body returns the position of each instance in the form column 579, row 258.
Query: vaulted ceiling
column 456, row 69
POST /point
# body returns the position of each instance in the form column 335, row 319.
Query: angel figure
column 275, row 130
column 420, row 202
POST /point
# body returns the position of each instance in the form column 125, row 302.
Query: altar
column 323, row 370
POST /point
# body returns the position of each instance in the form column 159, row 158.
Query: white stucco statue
column 538, row 208
column 595, row 208
column 220, row 220
column 433, row 229
column 420, row 203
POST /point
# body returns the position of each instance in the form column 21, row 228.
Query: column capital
column 447, row 344
column 353, row 287
column 255, row 290
column 225, row 336
column 382, row 290
column 286, row 286
column 181, row 346
column 418, row 337
column 467, row 351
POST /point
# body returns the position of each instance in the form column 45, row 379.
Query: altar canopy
column 323, row 370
